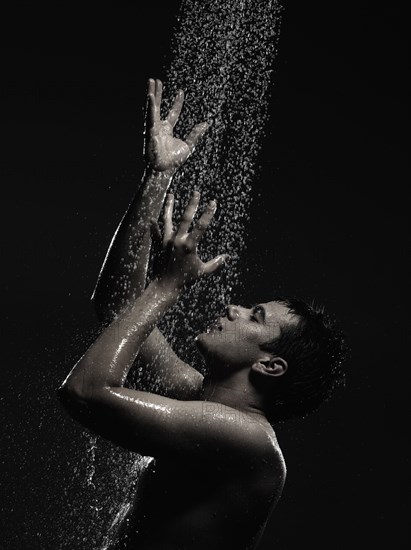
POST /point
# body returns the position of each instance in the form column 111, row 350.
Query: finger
column 196, row 134
column 168, row 218
column 188, row 214
column 176, row 108
column 215, row 264
column 204, row 221
column 158, row 95
column 152, row 110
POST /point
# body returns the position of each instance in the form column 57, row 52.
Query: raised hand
column 182, row 265
column 163, row 150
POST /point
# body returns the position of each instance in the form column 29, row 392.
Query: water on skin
column 223, row 55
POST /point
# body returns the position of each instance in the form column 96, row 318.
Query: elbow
column 71, row 394
column 79, row 390
column 73, row 403
column 65, row 397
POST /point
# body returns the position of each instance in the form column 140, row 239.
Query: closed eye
column 257, row 314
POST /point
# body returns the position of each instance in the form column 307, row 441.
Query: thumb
column 196, row 134
column 215, row 264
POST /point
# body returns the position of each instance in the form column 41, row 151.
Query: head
column 292, row 350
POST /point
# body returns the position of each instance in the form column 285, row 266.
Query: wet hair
column 315, row 349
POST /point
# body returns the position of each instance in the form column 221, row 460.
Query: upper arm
column 157, row 426
column 166, row 373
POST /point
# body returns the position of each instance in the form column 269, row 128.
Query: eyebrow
column 258, row 308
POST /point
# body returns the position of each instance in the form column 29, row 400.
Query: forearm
column 108, row 360
column 123, row 274
column 122, row 280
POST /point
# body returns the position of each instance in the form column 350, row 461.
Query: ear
column 274, row 366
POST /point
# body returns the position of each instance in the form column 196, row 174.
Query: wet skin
column 218, row 470
column 206, row 505
column 234, row 341
column 201, row 507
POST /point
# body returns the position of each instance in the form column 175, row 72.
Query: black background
column 329, row 223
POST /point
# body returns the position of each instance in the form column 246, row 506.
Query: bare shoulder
column 267, row 468
column 273, row 458
column 267, row 448
column 251, row 438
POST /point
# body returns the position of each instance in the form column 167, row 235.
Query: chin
column 209, row 345
column 213, row 348
column 201, row 343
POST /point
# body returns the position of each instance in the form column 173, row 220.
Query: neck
column 235, row 391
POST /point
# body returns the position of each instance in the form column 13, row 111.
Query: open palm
column 164, row 151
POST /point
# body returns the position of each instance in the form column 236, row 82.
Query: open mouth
column 215, row 326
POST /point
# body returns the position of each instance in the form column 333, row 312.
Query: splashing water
column 222, row 57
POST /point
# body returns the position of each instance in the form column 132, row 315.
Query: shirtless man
column 218, row 470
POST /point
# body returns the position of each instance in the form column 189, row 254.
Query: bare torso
column 182, row 506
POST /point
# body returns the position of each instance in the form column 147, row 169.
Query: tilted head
column 293, row 351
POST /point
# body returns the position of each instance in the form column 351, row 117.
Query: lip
column 216, row 326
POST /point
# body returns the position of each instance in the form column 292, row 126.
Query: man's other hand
column 181, row 262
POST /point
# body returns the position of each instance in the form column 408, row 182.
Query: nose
column 232, row 312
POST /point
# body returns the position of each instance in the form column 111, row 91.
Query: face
column 234, row 340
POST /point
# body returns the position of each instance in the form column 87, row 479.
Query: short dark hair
column 315, row 349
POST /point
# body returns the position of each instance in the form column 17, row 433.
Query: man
column 218, row 470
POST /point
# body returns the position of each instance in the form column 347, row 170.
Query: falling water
column 222, row 57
